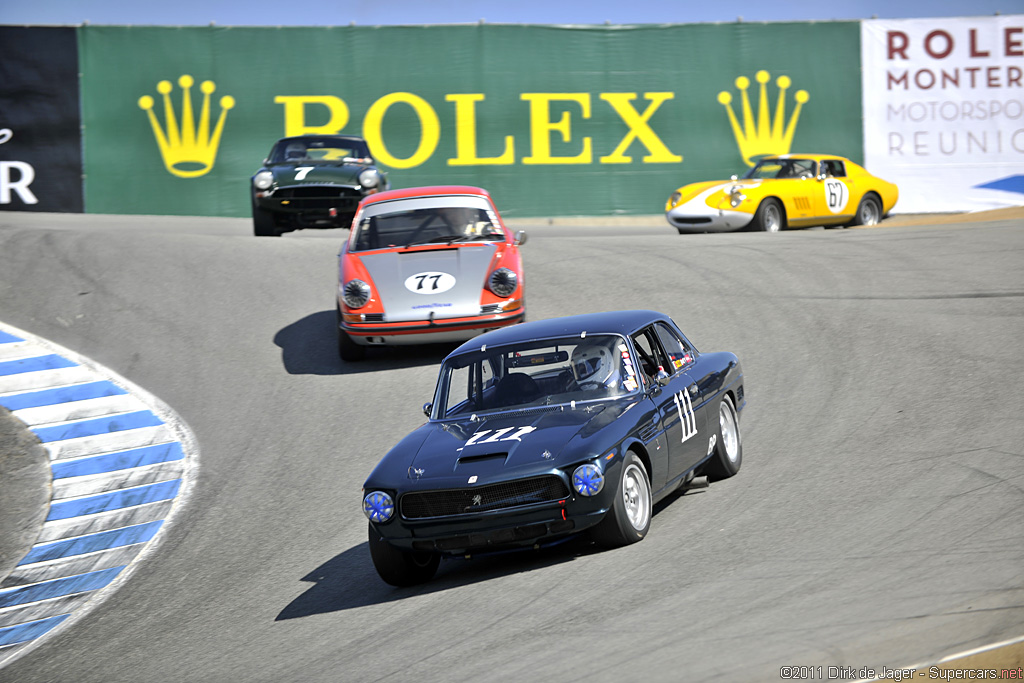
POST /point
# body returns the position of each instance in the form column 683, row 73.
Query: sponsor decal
column 943, row 109
column 769, row 134
column 188, row 151
column 15, row 176
column 496, row 435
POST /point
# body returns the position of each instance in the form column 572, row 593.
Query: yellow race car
column 784, row 191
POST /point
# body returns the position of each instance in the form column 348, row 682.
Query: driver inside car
column 595, row 367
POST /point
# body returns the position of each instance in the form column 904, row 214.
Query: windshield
column 425, row 220
column 535, row 373
column 310, row 148
column 782, row 168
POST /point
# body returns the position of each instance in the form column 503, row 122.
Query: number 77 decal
column 686, row 415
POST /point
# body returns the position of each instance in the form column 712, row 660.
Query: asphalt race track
column 878, row 519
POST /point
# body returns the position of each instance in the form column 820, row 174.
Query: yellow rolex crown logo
column 187, row 152
column 767, row 136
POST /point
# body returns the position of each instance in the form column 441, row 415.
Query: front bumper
column 495, row 531
column 311, row 206
column 428, row 331
column 696, row 215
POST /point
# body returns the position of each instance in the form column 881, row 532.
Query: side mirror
column 520, row 237
column 427, row 408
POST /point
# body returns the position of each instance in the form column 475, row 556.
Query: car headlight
column 378, row 506
column 503, row 282
column 263, row 180
column 674, row 199
column 356, row 293
column 369, row 178
column 588, row 480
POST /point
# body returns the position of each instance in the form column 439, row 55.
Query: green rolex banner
column 552, row 120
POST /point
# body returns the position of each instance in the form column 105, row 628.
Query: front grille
column 373, row 317
column 509, row 494
column 691, row 220
column 488, row 309
column 311, row 197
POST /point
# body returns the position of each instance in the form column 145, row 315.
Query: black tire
column 728, row 455
column 348, row 349
column 263, row 223
column 869, row 212
column 401, row 567
column 629, row 518
column 768, row 217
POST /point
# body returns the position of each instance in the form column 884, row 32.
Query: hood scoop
column 484, row 464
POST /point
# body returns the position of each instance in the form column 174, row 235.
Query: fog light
column 378, row 506
column 588, row 480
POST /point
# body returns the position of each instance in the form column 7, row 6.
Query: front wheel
column 868, row 213
column 768, row 217
column 401, row 567
column 263, row 223
column 629, row 518
column 728, row 455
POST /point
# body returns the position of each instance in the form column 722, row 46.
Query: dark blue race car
column 546, row 429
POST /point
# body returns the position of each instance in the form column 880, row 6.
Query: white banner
column 944, row 110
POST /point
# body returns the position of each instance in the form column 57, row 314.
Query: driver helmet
column 595, row 364
column 295, row 150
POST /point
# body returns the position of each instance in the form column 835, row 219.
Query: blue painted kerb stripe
column 51, row 397
column 6, row 338
column 35, row 364
column 101, row 425
column 22, row 633
column 115, row 500
column 92, row 543
column 58, row 587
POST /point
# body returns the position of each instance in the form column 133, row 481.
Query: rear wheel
column 401, row 567
column 629, row 519
column 768, row 217
column 868, row 213
column 728, row 455
column 263, row 223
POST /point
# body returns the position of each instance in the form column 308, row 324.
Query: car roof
column 818, row 157
column 318, row 135
column 427, row 191
column 609, row 322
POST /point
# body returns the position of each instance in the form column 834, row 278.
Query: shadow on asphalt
column 310, row 347
column 348, row 580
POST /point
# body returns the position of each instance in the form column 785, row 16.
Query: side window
column 834, row 168
column 651, row 356
column 679, row 353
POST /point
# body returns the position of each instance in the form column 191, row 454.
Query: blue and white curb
column 123, row 464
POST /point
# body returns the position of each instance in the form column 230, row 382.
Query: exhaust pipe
column 698, row 483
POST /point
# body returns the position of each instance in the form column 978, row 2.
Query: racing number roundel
column 836, row 195
column 430, row 282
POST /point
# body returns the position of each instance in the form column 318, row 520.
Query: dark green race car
column 313, row 181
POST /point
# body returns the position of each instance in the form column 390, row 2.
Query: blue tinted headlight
column 378, row 506
column 588, row 480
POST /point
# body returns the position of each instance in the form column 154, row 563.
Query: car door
column 833, row 200
column 795, row 185
column 675, row 394
column 688, row 438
